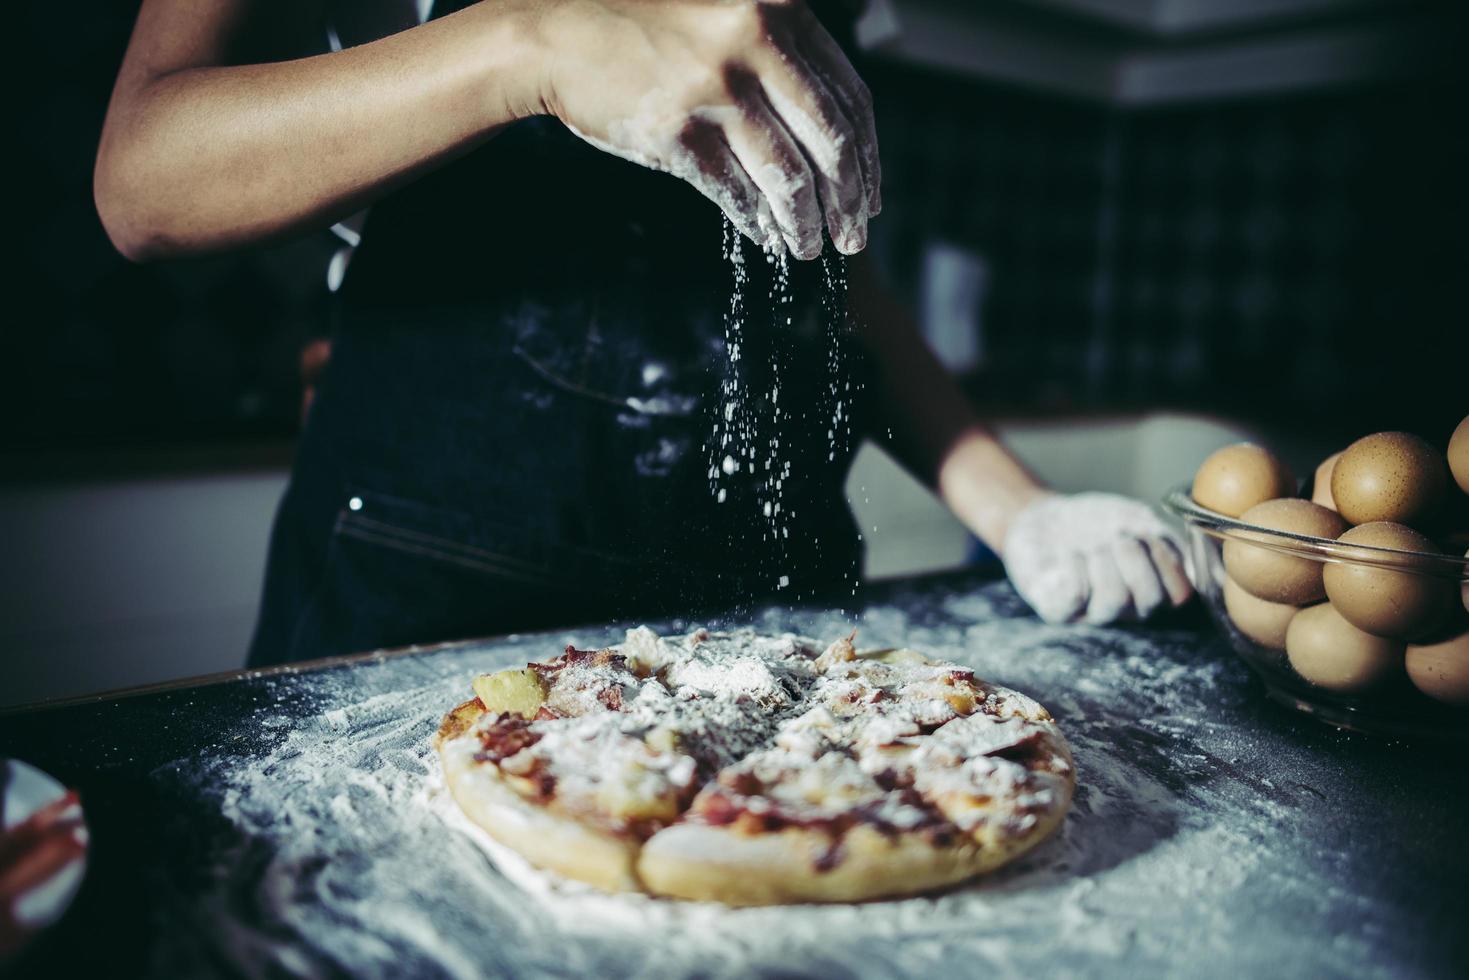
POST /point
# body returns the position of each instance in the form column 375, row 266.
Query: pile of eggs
column 1345, row 626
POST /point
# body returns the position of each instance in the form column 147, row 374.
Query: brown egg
column 1330, row 652
column 1386, row 601
column 1268, row 574
column 1459, row 455
column 1441, row 670
column 1264, row 622
column 1236, row 478
column 1321, row 484
column 1390, row 476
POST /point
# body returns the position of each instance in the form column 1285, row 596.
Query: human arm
column 1095, row 556
column 200, row 152
column 208, row 147
column 927, row 422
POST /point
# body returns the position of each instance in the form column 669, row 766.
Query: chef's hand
column 750, row 101
column 1096, row 557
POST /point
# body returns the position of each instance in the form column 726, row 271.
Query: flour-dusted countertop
column 296, row 823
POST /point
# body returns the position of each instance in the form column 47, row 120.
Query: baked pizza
column 756, row 770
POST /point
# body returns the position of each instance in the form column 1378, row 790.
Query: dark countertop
column 294, row 823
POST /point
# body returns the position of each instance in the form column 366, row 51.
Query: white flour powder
column 341, row 853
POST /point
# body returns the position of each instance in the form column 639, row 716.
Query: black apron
column 516, row 426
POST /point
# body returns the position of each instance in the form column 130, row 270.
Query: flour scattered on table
column 318, row 841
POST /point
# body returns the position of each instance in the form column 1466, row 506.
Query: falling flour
column 838, row 375
column 745, row 447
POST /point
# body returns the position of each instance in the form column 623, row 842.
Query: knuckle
column 733, row 83
column 700, row 141
column 747, row 24
column 690, row 134
column 848, row 159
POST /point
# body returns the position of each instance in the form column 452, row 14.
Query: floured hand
column 1096, row 557
column 750, row 101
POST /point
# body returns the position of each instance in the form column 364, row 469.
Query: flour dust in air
column 749, row 460
column 838, row 377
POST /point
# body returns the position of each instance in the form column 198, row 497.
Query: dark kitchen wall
column 1276, row 256
column 96, row 350
column 1269, row 257
column 1306, row 253
column 1019, row 180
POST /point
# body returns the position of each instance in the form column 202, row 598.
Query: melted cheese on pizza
column 762, row 733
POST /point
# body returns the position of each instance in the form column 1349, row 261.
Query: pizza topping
column 596, row 658
column 1004, row 703
column 529, row 776
column 518, row 692
column 975, row 735
column 842, row 651
column 740, row 677
column 865, row 704
column 780, row 788
column 866, row 681
column 608, row 775
column 777, row 732
column 812, row 733
column 964, row 770
column 896, row 656
column 646, row 651
column 644, row 791
column 988, row 796
column 586, row 681
column 504, row 736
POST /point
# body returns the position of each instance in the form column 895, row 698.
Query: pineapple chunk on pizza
column 511, row 692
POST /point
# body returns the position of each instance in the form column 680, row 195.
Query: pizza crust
column 543, row 837
column 724, row 864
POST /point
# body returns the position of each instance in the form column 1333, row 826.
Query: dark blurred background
column 1250, row 211
column 1249, row 206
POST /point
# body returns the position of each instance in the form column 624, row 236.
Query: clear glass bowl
column 1393, row 705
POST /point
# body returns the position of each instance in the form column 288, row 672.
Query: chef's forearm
column 927, row 422
column 986, row 486
column 198, row 154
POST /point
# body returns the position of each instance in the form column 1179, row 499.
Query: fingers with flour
column 830, row 63
column 813, row 115
column 1135, row 565
column 766, row 73
column 1171, row 567
column 1059, row 591
column 774, row 161
column 1130, row 563
column 1109, row 600
column 717, row 173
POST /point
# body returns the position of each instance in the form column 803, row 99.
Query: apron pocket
column 471, row 543
column 399, row 573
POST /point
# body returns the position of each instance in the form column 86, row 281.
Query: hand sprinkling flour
column 1094, row 556
column 750, row 101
